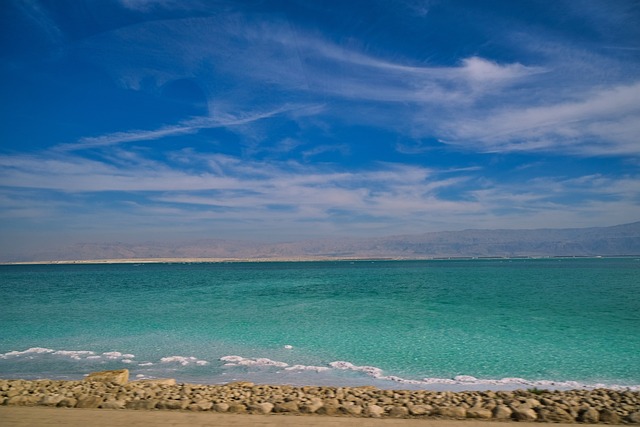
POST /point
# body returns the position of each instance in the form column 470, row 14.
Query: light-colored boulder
column 610, row 417
column 22, row 400
column 524, row 413
column 419, row 410
column 240, row 384
column 590, row 416
column 261, row 408
column 398, row 411
column 452, row 412
column 555, row 415
column 634, row 417
column 202, row 405
column 312, row 405
column 351, row 409
column 155, row 381
column 118, row 376
column 502, row 412
column 68, row 402
column 237, row 408
column 51, row 400
column 113, row 404
column 373, row 411
column 479, row 412
column 291, row 407
column 221, row 407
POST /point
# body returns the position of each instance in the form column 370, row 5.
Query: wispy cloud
column 390, row 197
column 604, row 122
column 185, row 127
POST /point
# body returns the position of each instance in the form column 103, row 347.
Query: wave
column 330, row 373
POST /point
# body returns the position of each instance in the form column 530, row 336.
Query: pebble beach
column 113, row 390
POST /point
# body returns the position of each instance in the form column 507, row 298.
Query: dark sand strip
column 42, row 416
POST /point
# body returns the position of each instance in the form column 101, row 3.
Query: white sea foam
column 113, row 355
column 247, row 361
column 145, row 364
column 75, row 354
column 33, row 350
column 184, row 360
column 464, row 381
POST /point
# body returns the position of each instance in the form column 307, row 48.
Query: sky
column 274, row 120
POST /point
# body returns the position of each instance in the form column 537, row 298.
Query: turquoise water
column 450, row 324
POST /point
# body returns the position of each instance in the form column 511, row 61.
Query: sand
column 42, row 416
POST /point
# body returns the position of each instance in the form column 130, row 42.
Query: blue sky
column 139, row 120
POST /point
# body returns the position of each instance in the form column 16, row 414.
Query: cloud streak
column 604, row 122
column 235, row 191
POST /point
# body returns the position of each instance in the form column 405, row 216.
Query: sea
column 459, row 324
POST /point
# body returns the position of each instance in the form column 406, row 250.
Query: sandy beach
column 41, row 416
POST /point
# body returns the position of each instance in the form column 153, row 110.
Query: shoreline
column 223, row 260
column 113, row 390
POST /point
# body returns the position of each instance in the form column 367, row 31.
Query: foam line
column 184, row 360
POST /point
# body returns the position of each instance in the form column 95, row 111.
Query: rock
column 479, row 412
column 609, row 417
column 51, row 400
column 398, row 411
column 555, row 415
column 202, row 405
column 119, row 376
column 532, row 403
column 524, row 413
column 502, row 412
column 634, row 417
column 113, row 404
column 68, row 402
column 373, row 411
column 286, row 407
column 221, row 407
column 590, row 415
column 21, row 400
column 418, row 410
column 261, row 408
column 351, row 409
column 240, row 384
column 237, row 408
column 328, row 409
column 89, row 402
column 155, row 381
column 312, row 406
column 452, row 412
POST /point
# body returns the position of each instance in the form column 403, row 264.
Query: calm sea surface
column 451, row 324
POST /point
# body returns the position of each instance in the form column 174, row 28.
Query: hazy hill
column 605, row 241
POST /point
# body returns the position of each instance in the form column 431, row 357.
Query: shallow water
column 454, row 324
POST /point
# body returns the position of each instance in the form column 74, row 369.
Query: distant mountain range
column 599, row 241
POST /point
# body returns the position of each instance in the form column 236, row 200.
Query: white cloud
column 603, row 122
column 242, row 197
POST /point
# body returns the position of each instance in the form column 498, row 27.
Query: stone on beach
column 585, row 406
column 118, row 376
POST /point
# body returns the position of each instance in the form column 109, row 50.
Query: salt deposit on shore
column 112, row 390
